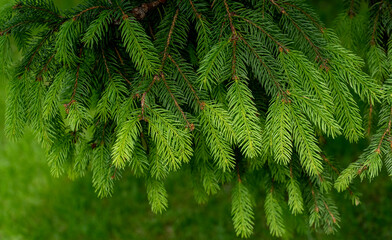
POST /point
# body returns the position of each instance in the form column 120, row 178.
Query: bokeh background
column 34, row 205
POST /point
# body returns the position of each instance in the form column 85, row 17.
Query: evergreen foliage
column 236, row 92
column 366, row 28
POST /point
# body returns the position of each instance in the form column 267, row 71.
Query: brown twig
column 186, row 79
column 14, row 26
column 106, row 64
column 370, row 117
column 307, row 15
column 234, row 60
column 316, row 208
column 169, row 37
column 279, row 87
column 87, row 10
column 336, row 170
column 388, row 130
column 373, row 40
column 38, row 48
column 313, row 46
column 20, row 5
column 122, row 75
column 230, row 14
column 198, row 15
column 119, row 56
column 238, row 173
column 45, row 68
column 189, row 125
column 143, row 100
column 330, row 213
column 263, row 31
column 222, row 28
column 77, row 78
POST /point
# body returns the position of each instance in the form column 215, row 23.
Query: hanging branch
column 186, row 79
column 189, row 125
column 280, row 45
column 169, row 37
column 313, row 46
column 330, row 213
column 307, row 15
column 87, row 10
column 21, row 6
column 370, row 116
column 387, row 131
column 45, row 67
column 37, row 49
column 236, row 122
column 373, row 40
column 335, row 170
column 76, row 80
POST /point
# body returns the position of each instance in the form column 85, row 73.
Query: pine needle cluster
column 366, row 27
column 234, row 92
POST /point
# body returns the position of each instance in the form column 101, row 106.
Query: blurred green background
column 34, row 205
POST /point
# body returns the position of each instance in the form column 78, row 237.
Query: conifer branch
column 143, row 100
column 222, row 28
column 370, row 117
column 14, row 26
column 45, row 67
column 281, row 9
column 77, row 78
column 277, row 84
column 27, row 67
column 122, row 75
column 373, row 39
column 387, row 131
column 329, row 163
column 314, row 47
column 75, row 17
column 20, row 5
column 330, row 213
column 106, row 63
column 186, row 79
column 234, row 60
column 169, row 37
column 189, row 125
column 257, row 102
column 119, row 56
column 336, row 171
column 306, row 14
column 389, row 8
column 238, row 172
column 213, row 3
column 198, row 15
column 230, row 14
column 316, row 207
column 280, row 45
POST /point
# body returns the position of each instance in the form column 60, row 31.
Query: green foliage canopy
column 231, row 91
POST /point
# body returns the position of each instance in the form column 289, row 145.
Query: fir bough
column 366, row 28
column 231, row 91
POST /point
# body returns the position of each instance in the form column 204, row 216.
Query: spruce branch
column 75, row 17
column 253, row 82
column 306, row 14
column 21, row 5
